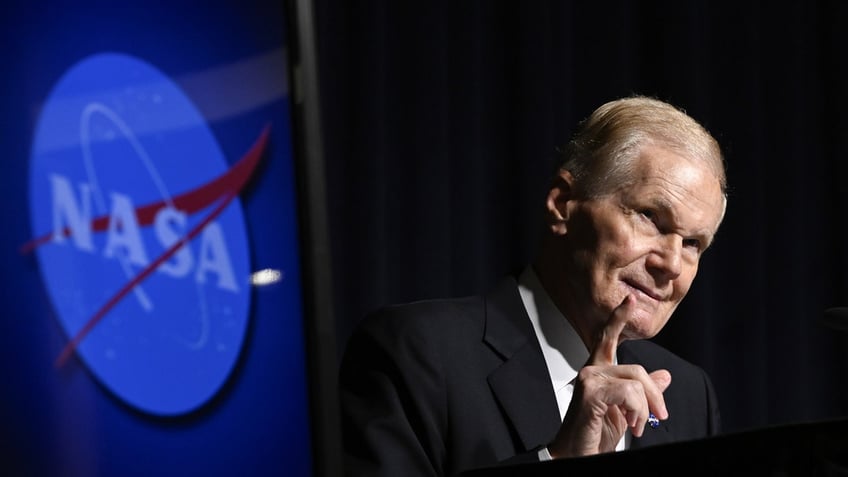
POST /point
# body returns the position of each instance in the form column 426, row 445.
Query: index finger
column 606, row 343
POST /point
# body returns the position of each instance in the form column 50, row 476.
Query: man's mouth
column 645, row 290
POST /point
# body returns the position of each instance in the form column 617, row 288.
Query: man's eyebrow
column 662, row 204
column 665, row 207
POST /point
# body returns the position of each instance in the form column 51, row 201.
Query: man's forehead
column 687, row 191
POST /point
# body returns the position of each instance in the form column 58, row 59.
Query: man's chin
column 640, row 328
column 628, row 335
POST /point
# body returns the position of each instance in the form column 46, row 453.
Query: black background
column 441, row 121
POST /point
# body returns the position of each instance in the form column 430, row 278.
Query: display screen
column 153, row 320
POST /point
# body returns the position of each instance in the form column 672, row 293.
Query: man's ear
column 560, row 199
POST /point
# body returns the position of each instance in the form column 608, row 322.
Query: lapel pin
column 653, row 421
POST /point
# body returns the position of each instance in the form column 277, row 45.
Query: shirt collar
column 562, row 347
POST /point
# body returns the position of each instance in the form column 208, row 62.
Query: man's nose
column 667, row 259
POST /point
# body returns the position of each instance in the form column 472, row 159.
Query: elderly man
column 554, row 363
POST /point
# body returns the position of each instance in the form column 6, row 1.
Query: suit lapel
column 521, row 384
column 663, row 433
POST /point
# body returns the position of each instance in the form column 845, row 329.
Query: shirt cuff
column 544, row 455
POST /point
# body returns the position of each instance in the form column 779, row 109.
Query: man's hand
column 608, row 399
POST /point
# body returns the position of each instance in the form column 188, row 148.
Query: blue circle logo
column 139, row 234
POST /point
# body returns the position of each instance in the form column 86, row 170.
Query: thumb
column 606, row 344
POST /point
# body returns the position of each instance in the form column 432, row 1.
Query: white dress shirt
column 564, row 351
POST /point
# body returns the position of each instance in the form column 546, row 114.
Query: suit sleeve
column 390, row 385
column 714, row 416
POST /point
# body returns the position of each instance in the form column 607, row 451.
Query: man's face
column 644, row 239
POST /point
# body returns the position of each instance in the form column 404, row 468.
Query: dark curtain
column 442, row 121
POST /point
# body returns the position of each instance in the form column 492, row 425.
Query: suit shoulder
column 427, row 320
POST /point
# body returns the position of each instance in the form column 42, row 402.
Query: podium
column 800, row 449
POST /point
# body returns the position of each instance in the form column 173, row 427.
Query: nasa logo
column 139, row 233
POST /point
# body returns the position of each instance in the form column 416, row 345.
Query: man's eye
column 648, row 214
column 692, row 243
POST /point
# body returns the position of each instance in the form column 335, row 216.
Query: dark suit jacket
column 437, row 387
